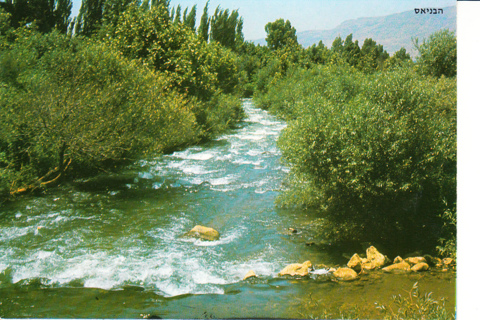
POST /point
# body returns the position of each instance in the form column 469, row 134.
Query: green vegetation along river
column 112, row 246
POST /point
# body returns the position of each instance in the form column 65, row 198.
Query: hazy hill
column 392, row 31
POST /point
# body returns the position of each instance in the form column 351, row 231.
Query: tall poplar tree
column 89, row 17
column 45, row 15
column 204, row 24
column 226, row 28
column 189, row 19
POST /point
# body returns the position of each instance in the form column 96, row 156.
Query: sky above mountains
column 303, row 14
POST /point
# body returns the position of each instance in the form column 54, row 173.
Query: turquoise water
column 113, row 247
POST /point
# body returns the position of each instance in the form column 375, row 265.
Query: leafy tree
column 226, row 28
column 4, row 22
column 317, row 54
column 112, row 9
column 351, row 51
column 250, row 60
column 345, row 51
column 89, row 18
column 402, row 55
column 280, row 34
column 337, row 45
column 178, row 14
column 438, row 54
column 75, row 107
column 239, row 38
column 199, row 69
column 204, row 24
column 45, row 15
column 373, row 56
column 189, row 19
column 400, row 59
column 95, row 14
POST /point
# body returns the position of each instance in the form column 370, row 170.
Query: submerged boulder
column 297, row 269
column 345, row 274
column 204, row 233
column 250, row 274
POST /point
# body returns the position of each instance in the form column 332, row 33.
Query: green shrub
column 416, row 306
column 412, row 306
column 438, row 54
column 81, row 104
column 199, row 69
column 286, row 95
column 376, row 155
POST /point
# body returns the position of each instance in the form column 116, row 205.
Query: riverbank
column 258, row 298
column 113, row 247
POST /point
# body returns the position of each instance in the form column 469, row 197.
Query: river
column 112, row 246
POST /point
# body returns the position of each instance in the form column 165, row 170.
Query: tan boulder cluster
column 416, row 264
column 374, row 261
column 356, row 265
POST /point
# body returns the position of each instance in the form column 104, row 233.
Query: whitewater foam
column 111, row 254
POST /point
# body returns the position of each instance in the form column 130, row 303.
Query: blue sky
column 304, row 14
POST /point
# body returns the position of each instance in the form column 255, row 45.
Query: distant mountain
column 392, row 31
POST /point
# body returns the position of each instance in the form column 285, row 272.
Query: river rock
column 297, row 269
column 355, row 263
column 398, row 267
column 416, row 260
column 345, row 274
column 447, row 261
column 204, row 233
column 375, row 259
column 398, row 259
column 422, row 266
column 250, row 274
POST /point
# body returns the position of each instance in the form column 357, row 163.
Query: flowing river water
column 113, row 247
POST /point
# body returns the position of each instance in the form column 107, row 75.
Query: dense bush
column 371, row 138
column 285, row 95
column 438, row 54
column 375, row 154
column 143, row 81
column 81, row 103
column 199, row 69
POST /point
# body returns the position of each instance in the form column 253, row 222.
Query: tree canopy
column 280, row 34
